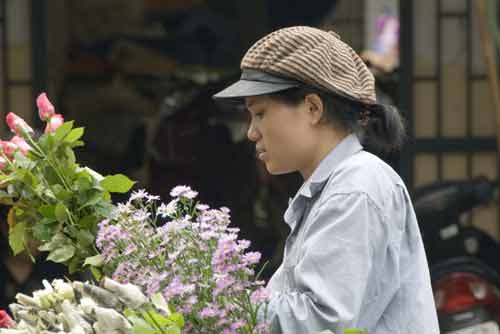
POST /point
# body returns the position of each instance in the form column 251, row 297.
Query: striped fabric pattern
column 315, row 57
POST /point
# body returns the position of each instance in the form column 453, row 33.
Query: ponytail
column 384, row 128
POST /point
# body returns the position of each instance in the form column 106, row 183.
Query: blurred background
column 139, row 76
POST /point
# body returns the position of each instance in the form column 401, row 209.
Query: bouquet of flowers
column 84, row 308
column 188, row 253
column 161, row 257
column 55, row 202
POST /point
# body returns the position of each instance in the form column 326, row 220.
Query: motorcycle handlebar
column 454, row 197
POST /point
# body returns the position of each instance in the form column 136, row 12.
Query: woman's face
column 282, row 134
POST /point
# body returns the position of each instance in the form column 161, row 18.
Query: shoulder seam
column 370, row 201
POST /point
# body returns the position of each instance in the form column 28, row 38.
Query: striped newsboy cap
column 299, row 55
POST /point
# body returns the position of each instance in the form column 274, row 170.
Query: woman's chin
column 276, row 170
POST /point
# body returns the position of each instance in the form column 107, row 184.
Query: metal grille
column 441, row 144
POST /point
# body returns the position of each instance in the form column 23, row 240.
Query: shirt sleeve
column 333, row 271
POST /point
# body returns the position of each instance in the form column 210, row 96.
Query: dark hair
column 380, row 127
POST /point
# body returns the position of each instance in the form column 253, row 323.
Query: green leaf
column 95, row 261
column 75, row 264
column 77, row 143
column 85, row 238
column 93, row 200
column 103, row 209
column 141, row 326
column 88, row 222
column 30, row 179
column 17, row 237
column 83, row 183
column 46, row 142
column 41, row 232
column 106, row 195
column 96, row 273
column 118, row 183
column 153, row 317
column 63, row 131
column 61, row 254
column 23, row 162
column 48, row 211
column 51, row 176
column 127, row 312
column 68, row 170
column 27, row 195
column 61, row 212
column 178, row 319
column 172, row 330
column 57, row 240
column 160, row 303
column 70, row 155
column 61, row 193
column 74, row 135
column 355, row 331
column 43, row 191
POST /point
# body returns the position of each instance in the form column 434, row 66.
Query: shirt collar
column 347, row 147
column 315, row 183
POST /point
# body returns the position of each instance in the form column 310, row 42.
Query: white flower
column 63, row 289
column 202, row 207
column 151, row 198
column 171, row 208
column 190, row 194
column 87, row 305
column 167, row 210
column 183, row 191
column 139, row 194
column 162, row 210
column 179, row 190
column 73, row 318
column 130, row 294
column 141, row 215
column 108, row 320
column 123, row 209
column 44, row 298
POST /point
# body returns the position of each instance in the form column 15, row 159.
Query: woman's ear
column 314, row 107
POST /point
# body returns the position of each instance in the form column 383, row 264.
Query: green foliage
column 151, row 321
column 58, row 204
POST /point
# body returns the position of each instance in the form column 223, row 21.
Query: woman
column 354, row 256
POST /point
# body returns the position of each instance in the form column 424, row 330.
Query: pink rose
column 5, row 320
column 45, row 108
column 21, row 144
column 8, row 148
column 54, row 122
column 18, row 125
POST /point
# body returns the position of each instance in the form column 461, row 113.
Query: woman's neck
column 327, row 141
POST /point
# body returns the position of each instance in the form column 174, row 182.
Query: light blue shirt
column 354, row 257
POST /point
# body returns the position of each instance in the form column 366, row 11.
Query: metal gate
column 444, row 93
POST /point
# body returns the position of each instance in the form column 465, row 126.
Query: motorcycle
column 463, row 260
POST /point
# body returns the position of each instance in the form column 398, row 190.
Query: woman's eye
column 259, row 115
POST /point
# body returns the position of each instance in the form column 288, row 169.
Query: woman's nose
column 252, row 132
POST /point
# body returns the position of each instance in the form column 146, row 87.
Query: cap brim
column 246, row 88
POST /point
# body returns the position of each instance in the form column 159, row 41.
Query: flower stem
column 49, row 160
